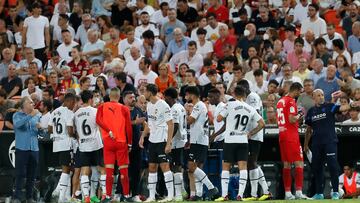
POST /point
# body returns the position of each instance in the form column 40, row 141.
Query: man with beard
column 349, row 20
column 145, row 25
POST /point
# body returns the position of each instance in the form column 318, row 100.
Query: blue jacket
column 26, row 133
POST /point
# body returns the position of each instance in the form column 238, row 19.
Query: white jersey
column 199, row 130
column 60, row 119
column 239, row 116
column 179, row 116
column 158, row 115
column 217, row 125
column 87, row 129
column 254, row 101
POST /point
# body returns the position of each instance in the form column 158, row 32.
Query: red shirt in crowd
column 219, row 45
column 222, row 13
column 78, row 69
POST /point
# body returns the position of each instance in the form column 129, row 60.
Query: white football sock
column 200, row 175
column 152, row 180
column 253, row 176
column 242, row 182
column 169, row 182
column 85, row 184
column 178, row 179
column 263, row 182
column 225, row 175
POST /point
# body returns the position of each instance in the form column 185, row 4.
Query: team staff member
column 320, row 121
column 26, row 125
column 115, row 125
column 137, row 120
column 290, row 148
column 161, row 129
column 350, row 181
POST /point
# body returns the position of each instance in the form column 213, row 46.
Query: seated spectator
column 289, row 42
column 176, row 45
column 181, row 75
column 222, row 88
column 69, row 81
column 204, row 47
column 168, row 28
column 272, row 88
column 48, row 95
column 331, row 36
column 152, row 48
column 165, row 78
column 79, row 67
column 287, row 75
column 309, row 38
column 354, row 116
column 344, row 115
column 161, row 16
column 348, row 81
column 12, row 84
column 93, row 49
column 204, row 79
column 340, row 49
column 229, row 63
column 353, row 40
column 328, row 83
column 146, row 75
column 212, row 29
column 121, row 15
column 54, row 85
column 7, row 59
column 64, row 49
column 202, row 23
column 237, row 75
column 252, row 52
column 102, row 86
column 142, row 5
column 303, row 71
column 22, row 68
column 113, row 42
column 54, row 64
column 96, row 68
column 318, row 70
column 264, row 21
column 260, row 85
column 305, row 100
column 121, row 82
column 108, row 59
column 61, row 9
column 186, row 14
column 271, row 52
column 116, row 66
column 221, row 11
column 255, row 63
column 84, row 84
column 75, row 17
column 5, row 104
column 126, row 44
column 249, row 39
column 293, row 57
column 190, row 81
column 9, row 122
column 31, row 88
column 145, row 25
column 105, row 25
column 350, row 182
column 188, row 56
column 321, row 51
column 224, row 39
column 99, row 8
column 82, row 32
column 132, row 62
column 271, row 118
column 63, row 24
column 40, row 80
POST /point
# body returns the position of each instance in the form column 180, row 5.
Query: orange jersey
column 115, row 117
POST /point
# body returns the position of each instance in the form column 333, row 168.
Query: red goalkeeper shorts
column 115, row 151
column 291, row 151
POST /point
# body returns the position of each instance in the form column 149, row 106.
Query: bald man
column 354, row 44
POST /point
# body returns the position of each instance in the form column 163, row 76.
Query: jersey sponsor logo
column 152, row 117
column 319, row 117
column 354, row 129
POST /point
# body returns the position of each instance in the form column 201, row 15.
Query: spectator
column 168, row 28
column 309, row 39
column 49, row 95
column 108, row 59
column 40, row 80
column 204, row 47
column 331, row 35
column 161, row 16
column 204, row 79
column 101, row 7
column 62, row 9
column 181, row 76
column 102, row 86
column 313, row 22
column 113, row 43
column 105, row 25
column 36, row 34
column 12, row 84
column 186, row 14
column 95, row 66
column 301, row 12
column 85, row 84
column 276, row 51
column 152, row 48
column 121, row 15
column 289, row 42
column 146, row 76
column 54, row 64
column 344, row 115
column 328, row 83
column 79, row 67
column 212, row 29
column 142, row 5
column 145, row 25
column 82, row 32
column 165, row 78
column 255, row 63
column 272, row 88
column 63, row 24
column 271, row 116
column 264, row 21
column 116, row 66
column 260, row 85
column 54, row 85
column 303, row 71
column 225, row 38
column 189, row 56
column 354, row 117
column 287, row 75
column 176, row 45
column 212, row 75
column 7, row 59
column 348, row 21
column 132, row 63
column 293, row 57
column 234, row 13
column 239, row 26
column 305, row 99
column 26, row 125
column 126, row 44
column 45, row 108
column 229, row 63
column 94, row 47
column 75, row 17
column 10, row 20
column 353, row 40
column 64, row 49
column 18, row 33
column 190, row 81
column 249, row 39
column 69, row 81
column 120, row 80
column 7, row 37
column 348, row 81
column 5, row 104
column 222, row 88
column 222, row 13
column 318, row 70
column 340, row 49
column 22, row 68
column 31, row 88
column 321, row 51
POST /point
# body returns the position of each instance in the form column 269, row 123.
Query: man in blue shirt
column 320, row 121
column 328, row 83
column 26, row 125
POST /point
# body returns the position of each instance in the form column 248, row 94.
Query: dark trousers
column 25, row 167
column 134, row 171
column 39, row 54
column 321, row 154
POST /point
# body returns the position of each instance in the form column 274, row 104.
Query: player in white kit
column 161, row 128
column 179, row 139
column 61, row 128
column 240, row 117
column 199, row 142
column 256, row 175
column 90, row 144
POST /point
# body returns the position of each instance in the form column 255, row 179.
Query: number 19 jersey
column 239, row 118
column 60, row 119
column 87, row 129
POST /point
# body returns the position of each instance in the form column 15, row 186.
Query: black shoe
column 212, row 193
column 128, row 199
column 195, row 198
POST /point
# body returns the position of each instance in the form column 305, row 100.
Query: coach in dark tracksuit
column 320, row 121
column 26, row 125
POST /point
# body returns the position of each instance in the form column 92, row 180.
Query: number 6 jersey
column 199, row 130
column 87, row 129
column 60, row 119
column 240, row 118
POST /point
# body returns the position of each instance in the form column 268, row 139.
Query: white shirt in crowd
column 158, row 116
column 199, row 130
column 212, row 34
column 132, row 66
column 38, row 92
column 205, row 49
column 93, row 80
column 99, row 44
column 195, row 63
column 124, row 47
column 329, row 45
column 35, row 37
column 139, row 30
column 65, row 50
column 318, row 26
column 142, row 78
column 158, row 18
column 261, row 90
column 57, row 33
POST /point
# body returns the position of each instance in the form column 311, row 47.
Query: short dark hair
column 240, row 91
column 338, row 43
column 127, row 92
column 201, row 31
column 70, row 97
column 258, row 72
column 77, row 47
column 238, row 67
column 64, row 16
column 230, row 59
column 83, row 80
column 192, row 43
column 3, row 93
column 121, row 77
column 193, row 73
column 66, row 30
column 193, row 90
column 147, row 61
column 275, row 82
column 245, row 84
column 211, row 72
column 96, row 61
column 50, row 91
column 48, row 104
column 164, row 4
column 242, row 11
column 314, row 6
column 214, row 91
column 299, row 40
column 36, row 5
column 152, row 88
column 171, row 92
column 210, row 14
column 148, row 34
column 86, row 95
column 319, row 40
column 144, row 13
column 295, row 87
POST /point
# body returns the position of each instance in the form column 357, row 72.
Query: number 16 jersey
column 240, row 117
column 87, row 129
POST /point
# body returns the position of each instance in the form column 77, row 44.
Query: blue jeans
column 25, row 167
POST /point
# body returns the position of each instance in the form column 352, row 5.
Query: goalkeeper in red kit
column 290, row 148
column 115, row 125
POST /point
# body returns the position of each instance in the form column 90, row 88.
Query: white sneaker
column 136, row 199
column 55, row 194
column 167, row 199
column 179, row 199
column 150, row 200
column 117, row 197
column 301, row 196
column 289, row 197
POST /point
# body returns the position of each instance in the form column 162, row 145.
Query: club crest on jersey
column 292, row 109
